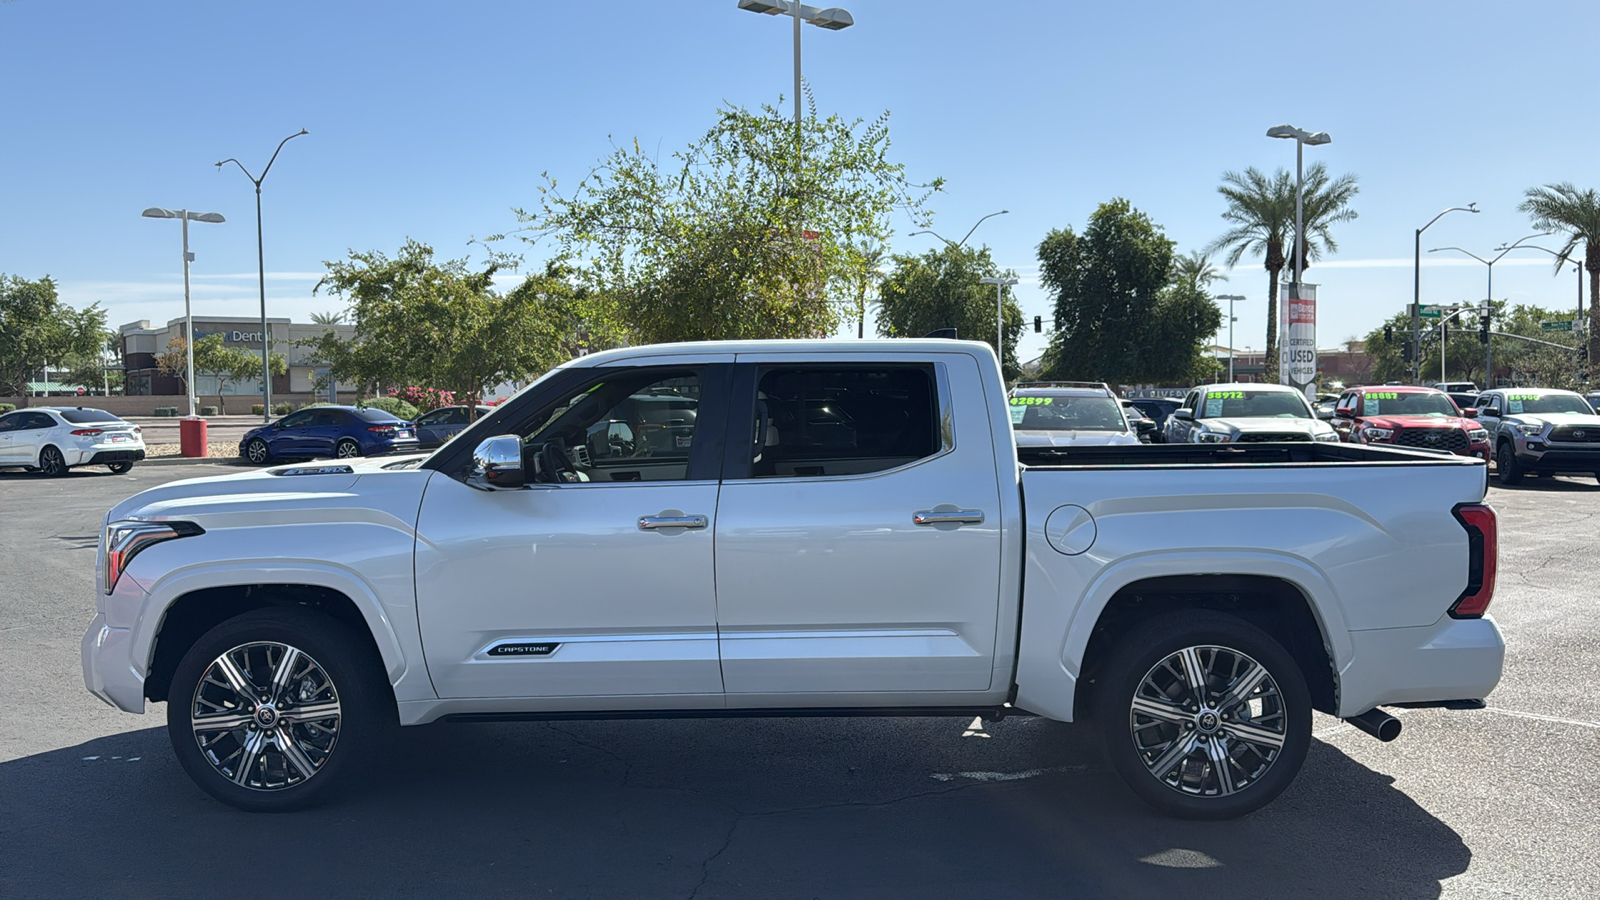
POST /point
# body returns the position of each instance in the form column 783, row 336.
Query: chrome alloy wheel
column 347, row 449
column 256, row 450
column 266, row 716
column 1208, row 721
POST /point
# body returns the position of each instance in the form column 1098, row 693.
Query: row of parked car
column 1522, row 431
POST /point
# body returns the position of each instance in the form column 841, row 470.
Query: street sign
column 1562, row 325
column 1433, row 312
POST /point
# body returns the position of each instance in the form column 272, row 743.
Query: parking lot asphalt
column 1502, row 802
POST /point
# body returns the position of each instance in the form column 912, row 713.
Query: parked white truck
column 777, row 528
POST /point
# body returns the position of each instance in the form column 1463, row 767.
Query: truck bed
column 1308, row 453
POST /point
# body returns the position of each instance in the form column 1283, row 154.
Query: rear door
column 858, row 529
column 324, row 430
column 9, row 423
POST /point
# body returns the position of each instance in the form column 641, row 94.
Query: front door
column 595, row 582
column 858, row 532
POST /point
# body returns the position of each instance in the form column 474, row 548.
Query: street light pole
column 184, row 215
column 1488, row 351
column 832, row 18
column 957, row 245
column 1301, row 139
column 261, row 274
column 1416, row 292
column 999, row 312
column 1577, row 267
column 1230, row 298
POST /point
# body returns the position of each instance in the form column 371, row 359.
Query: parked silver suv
column 1540, row 431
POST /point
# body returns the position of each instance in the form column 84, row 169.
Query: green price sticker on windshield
column 1032, row 401
column 1522, row 396
column 1225, row 395
column 1384, row 395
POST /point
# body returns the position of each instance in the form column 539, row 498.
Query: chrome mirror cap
column 497, row 464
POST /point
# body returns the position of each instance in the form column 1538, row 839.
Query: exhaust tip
column 1377, row 723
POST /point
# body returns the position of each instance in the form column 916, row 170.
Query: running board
column 988, row 713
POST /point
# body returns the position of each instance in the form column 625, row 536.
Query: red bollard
column 192, row 437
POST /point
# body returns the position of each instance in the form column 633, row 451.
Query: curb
column 192, row 461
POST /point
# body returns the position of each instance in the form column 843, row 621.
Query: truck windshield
column 1066, row 414
column 1549, row 404
column 1253, row 405
column 1407, row 403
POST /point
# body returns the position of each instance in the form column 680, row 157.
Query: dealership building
column 142, row 344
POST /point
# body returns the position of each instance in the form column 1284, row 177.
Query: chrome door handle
column 650, row 523
column 947, row 517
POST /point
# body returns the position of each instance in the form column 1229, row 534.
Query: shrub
column 424, row 399
column 208, row 410
column 7, row 407
column 310, row 405
column 391, row 405
column 281, row 409
column 256, row 410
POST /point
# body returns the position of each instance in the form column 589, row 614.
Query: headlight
column 1528, row 430
column 1213, row 437
column 126, row 538
column 1371, row 433
column 1331, row 437
column 1477, row 435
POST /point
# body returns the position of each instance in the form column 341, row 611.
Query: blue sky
column 432, row 121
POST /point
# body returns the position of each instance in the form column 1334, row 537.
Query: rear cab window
column 833, row 420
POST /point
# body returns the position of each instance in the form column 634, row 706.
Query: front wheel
column 119, row 468
column 1505, row 464
column 257, row 451
column 347, row 449
column 1204, row 715
column 268, row 709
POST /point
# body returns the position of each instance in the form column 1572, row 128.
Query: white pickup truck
column 787, row 528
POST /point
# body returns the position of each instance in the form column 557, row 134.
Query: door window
column 326, row 418
column 437, row 417
column 637, row 425
column 35, row 421
column 11, row 423
column 843, row 420
column 296, row 420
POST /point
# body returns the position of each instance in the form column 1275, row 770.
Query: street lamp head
column 207, row 217
column 1237, row 298
column 759, row 6
column 156, row 212
column 833, row 19
column 1305, row 137
column 1006, row 281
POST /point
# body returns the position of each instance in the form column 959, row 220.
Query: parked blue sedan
column 342, row 432
column 442, row 424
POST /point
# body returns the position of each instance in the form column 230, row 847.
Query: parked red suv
column 1409, row 417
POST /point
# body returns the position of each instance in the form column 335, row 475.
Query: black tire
column 118, row 468
column 339, row 658
column 51, row 463
column 346, row 449
column 258, row 452
column 1505, row 464
column 1262, row 772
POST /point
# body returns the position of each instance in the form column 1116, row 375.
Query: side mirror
column 1470, row 412
column 1184, row 413
column 1492, row 412
column 1146, row 425
column 497, row 464
column 1326, row 414
column 1345, row 412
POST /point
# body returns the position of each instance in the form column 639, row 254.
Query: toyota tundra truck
column 833, row 528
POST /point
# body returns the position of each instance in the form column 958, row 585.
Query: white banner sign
column 1297, row 343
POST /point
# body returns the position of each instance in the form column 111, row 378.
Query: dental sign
column 1297, row 342
column 231, row 337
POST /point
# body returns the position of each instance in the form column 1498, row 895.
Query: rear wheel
column 118, row 468
column 1204, row 715
column 51, row 463
column 269, row 710
column 347, row 449
column 1505, row 463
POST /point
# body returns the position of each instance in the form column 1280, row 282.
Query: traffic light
column 1038, row 324
column 1407, row 350
column 1444, row 334
column 1388, row 334
column 1483, row 329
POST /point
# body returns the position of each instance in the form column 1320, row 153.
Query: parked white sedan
column 52, row 440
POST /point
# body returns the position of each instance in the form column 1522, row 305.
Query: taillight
column 85, row 432
column 1483, row 556
column 382, row 429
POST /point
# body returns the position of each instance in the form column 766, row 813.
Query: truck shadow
column 720, row 808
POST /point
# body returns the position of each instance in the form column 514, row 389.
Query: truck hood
column 279, row 495
column 1042, row 438
column 1420, row 422
column 1575, row 420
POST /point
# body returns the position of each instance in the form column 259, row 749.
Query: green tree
column 229, row 365
column 1119, row 315
column 327, row 318
column 1261, row 212
column 1195, row 271
column 37, row 329
column 941, row 289
column 750, row 232
column 441, row 324
column 1562, row 207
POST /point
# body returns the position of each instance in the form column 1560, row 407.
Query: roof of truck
column 707, row 348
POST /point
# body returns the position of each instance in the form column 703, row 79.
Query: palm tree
column 1261, row 210
column 1562, row 207
column 327, row 318
column 1195, row 271
column 1262, row 213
